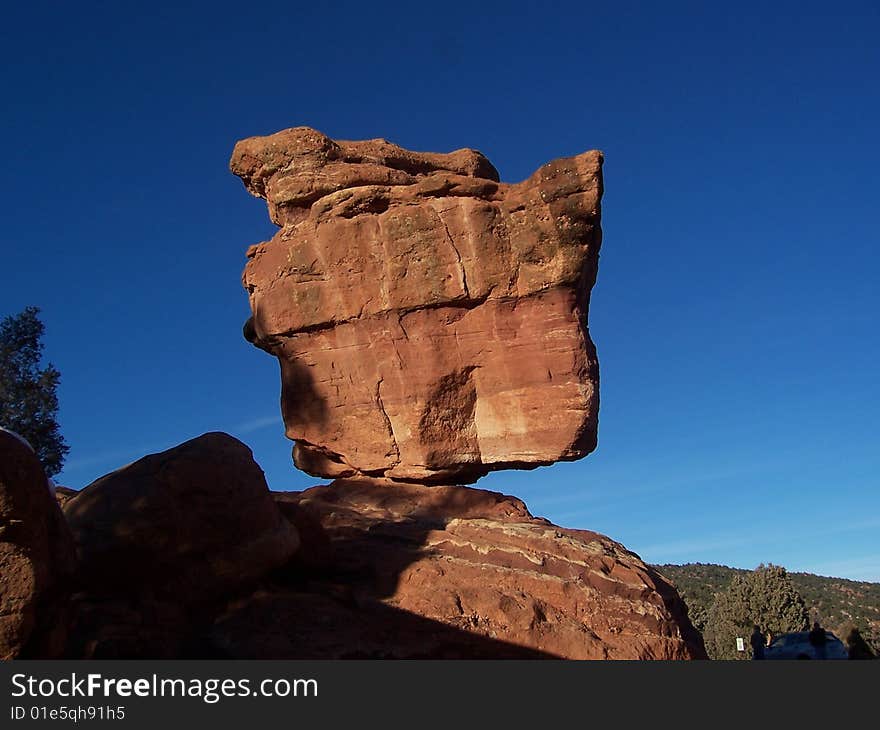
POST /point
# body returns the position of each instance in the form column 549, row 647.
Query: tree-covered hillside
column 837, row 603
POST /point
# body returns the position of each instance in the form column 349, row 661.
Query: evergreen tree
column 28, row 401
column 765, row 597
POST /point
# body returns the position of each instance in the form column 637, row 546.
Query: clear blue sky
column 737, row 304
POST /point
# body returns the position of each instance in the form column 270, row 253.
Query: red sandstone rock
column 431, row 322
column 37, row 558
column 63, row 495
column 187, row 525
column 451, row 572
column 124, row 626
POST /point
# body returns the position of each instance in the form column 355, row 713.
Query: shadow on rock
column 403, row 570
column 186, row 554
column 162, row 541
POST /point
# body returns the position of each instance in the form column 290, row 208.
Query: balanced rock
column 188, row 524
column 430, row 321
column 451, row 572
column 37, row 558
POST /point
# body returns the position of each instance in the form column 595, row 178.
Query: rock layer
column 430, row 321
column 37, row 558
column 452, row 572
column 187, row 555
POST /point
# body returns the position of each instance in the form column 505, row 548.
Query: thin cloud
column 682, row 548
column 117, row 457
column 258, row 424
column 760, row 536
column 107, row 457
column 616, row 493
column 866, row 567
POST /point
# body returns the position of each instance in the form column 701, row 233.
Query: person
column 817, row 640
column 757, row 641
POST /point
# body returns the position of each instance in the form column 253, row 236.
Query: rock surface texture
column 37, row 558
column 165, row 540
column 451, row 572
column 190, row 523
column 186, row 554
column 431, row 325
column 430, row 321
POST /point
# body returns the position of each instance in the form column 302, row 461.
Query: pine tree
column 765, row 597
column 28, row 400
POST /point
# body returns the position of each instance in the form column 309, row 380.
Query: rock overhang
column 430, row 321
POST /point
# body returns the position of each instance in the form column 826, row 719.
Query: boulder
column 456, row 572
column 37, row 558
column 130, row 626
column 63, row 495
column 187, row 525
column 430, row 321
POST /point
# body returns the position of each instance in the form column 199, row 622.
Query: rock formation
column 37, row 558
column 451, row 572
column 63, row 495
column 431, row 325
column 164, row 541
column 430, row 321
column 185, row 554
column 192, row 523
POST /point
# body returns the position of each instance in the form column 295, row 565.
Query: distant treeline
column 838, row 604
